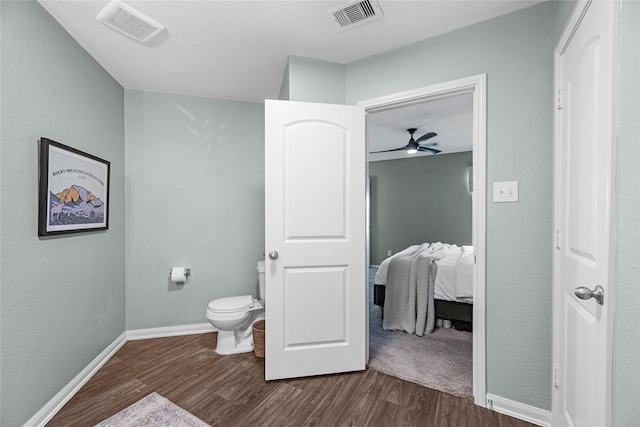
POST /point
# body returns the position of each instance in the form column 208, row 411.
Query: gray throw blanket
column 408, row 304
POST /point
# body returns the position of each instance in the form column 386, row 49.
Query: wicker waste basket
column 258, row 338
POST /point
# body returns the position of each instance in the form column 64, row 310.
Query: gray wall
column 195, row 197
column 310, row 80
column 62, row 297
column 516, row 52
column 564, row 9
column 422, row 199
column 626, row 374
column 284, row 87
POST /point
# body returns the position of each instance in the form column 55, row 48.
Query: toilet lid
column 232, row 304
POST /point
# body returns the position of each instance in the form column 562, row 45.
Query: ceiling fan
column 414, row 146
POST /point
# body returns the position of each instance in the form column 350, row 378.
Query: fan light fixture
column 413, row 146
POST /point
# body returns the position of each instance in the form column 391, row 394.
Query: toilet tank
column 260, row 269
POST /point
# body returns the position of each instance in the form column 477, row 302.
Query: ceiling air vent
column 355, row 13
column 125, row 19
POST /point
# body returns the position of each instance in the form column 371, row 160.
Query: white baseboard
column 519, row 410
column 169, row 331
column 52, row 407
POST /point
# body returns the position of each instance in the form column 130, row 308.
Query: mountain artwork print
column 74, row 189
column 75, row 205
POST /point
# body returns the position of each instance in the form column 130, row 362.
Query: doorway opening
column 398, row 106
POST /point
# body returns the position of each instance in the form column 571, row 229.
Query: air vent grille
column 355, row 13
column 128, row 21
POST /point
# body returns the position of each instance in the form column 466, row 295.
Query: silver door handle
column 273, row 255
column 586, row 293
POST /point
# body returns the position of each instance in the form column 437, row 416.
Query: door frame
column 477, row 85
column 574, row 21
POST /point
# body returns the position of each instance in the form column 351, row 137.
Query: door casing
column 477, row 85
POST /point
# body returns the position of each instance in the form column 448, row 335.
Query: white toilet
column 233, row 317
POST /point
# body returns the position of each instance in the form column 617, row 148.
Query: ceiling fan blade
column 430, row 144
column 387, row 151
column 431, row 150
column 426, row 136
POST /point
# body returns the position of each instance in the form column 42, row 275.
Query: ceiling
column 450, row 118
column 239, row 49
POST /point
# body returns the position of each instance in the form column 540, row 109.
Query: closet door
column 585, row 218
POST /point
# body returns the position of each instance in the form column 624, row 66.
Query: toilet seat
column 231, row 304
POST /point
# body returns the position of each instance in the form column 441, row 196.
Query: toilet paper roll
column 179, row 274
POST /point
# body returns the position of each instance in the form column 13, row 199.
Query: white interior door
column 315, row 291
column 585, row 61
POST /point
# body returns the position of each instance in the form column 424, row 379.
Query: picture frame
column 73, row 190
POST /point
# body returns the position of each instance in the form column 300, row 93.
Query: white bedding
column 445, row 287
column 454, row 278
column 464, row 274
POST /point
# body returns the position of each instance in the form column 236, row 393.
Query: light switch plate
column 505, row 191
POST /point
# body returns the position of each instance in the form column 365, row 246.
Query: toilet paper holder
column 187, row 272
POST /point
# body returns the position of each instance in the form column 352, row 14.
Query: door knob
column 273, row 255
column 586, row 293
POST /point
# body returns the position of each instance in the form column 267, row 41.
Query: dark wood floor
column 231, row 391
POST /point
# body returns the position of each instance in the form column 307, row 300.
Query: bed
column 423, row 282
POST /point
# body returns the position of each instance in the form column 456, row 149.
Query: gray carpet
column 442, row 360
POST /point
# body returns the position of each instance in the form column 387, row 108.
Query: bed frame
column 445, row 309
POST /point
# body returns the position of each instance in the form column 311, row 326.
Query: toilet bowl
column 234, row 316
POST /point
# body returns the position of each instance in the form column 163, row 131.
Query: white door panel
column 315, row 221
column 324, row 322
column 584, row 190
column 315, row 208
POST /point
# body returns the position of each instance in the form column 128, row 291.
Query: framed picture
column 73, row 190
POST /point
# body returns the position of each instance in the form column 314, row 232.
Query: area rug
column 153, row 411
column 442, row 360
